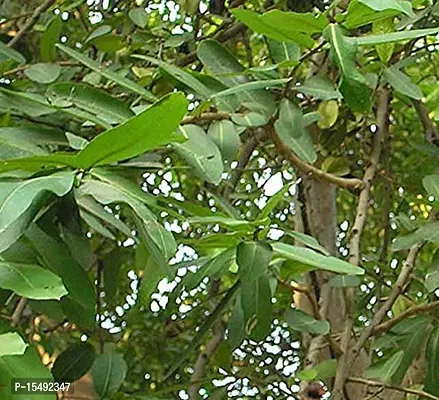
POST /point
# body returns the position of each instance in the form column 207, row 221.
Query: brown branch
column 31, row 21
column 16, row 315
column 422, row 308
column 345, row 362
column 431, row 131
column 208, row 116
column 99, row 271
column 311, row 171
column 368, row 382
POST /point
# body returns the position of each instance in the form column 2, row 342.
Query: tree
column 223, row 200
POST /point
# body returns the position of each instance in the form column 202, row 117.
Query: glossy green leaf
column 257, row 307
column 76, row 142
column 50, row 38
column 112, row 76
column 302, row 322
column 201, row 154
column 23, row 103
column 345, row 281
column 251, row 119
column 353, row 84
column 31, row 281
column 26, row 366
column 431, row 282
column 139, row 16
column 391, row 366
column 236, row 326
column 274, row 201
column 319, row 88
column 19, row 199
column 224, row 135
column 153, row 273
column 99, row 31
column 108, row 373
column 310, row 257
column 11, row 344
column 385, row 51
column 220, row 62
column 290, row 128
column 428, row 232
column 371, row 40
column 253, row 259
column 94, row 208
column 402, row 83
column 89, row 99
column 431, row 185
column 381, row 5
column 324, row 370
column 181, row 75
column 79, row 304
column 432, row 356
column 308, row 241
column 250, row 86
column 283, row 52
column 146, row 131
column 73, row 363
column 6, row 53
column 359, row 14
column 43, row 73
column 283, row 26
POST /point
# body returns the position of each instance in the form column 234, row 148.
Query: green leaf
column 153, row 273
column 49, row 39
column 43, row 73
column 402, row 83
column 371, row 40
column 139, row 16
column 283, row 26
column 359, row 14
column 219, row 61
column 15, row 147
column 18, row 201
column 257, row 307
column 98, row 32
column 302, row 322
column 201, row 154
column 411, row 343
column 320, row 88
column 24, row 103
column 108, row 373
column 96, row 225
column 73, row 363
column 250, row 86
column 428, row 232
column 26, row 366
column 251, row 119
column 382, row 5
column 31, row 281
column 253, row 259
column 290, row 128
column 89, row 99
column 432, row 356
column 6, row 53
column 76, row 142
column 236, row 325
column 273, row 202
column 310, row 257
column 211, row 269
column 328, row 111
column 112, row 76
column 391, row 366
column 11, row 344
column 283, row 52
column 181, row 75
column 309, row 241
column 146, row 131
column 79, row 304
column 324, row 370
column 385, row 51
column 431, row 185
column 353, row 84
column 94, row 208
column 224, row 135
column 224, row 221
column 431, row 282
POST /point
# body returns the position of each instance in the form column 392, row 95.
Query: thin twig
column 311, row 171
column 431, row 131
column 208, row 116
column 31, row 21
column 415, row 310
column 368, row 382
column 16, row 315
column 345, row 362
column 99, row 271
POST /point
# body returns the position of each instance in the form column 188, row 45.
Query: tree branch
column 344, row 362
column 311, row 171
column 422, row 308
column 31, row 21
column 431, row 131
column 368, row 382
column 208, row 116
